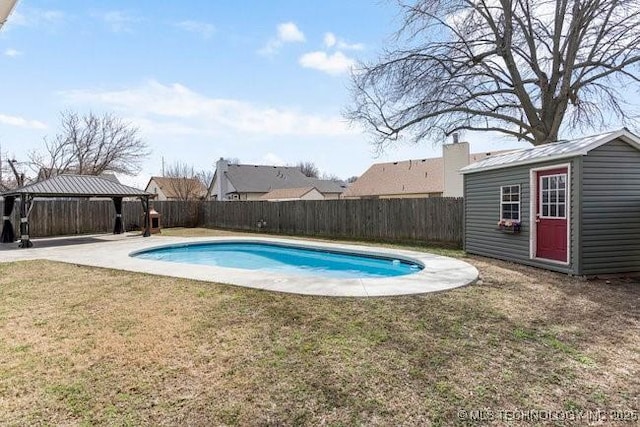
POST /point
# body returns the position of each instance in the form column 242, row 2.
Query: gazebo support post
column 26, row 201
column 7, row 236
column 118, row 227
column 147, row 220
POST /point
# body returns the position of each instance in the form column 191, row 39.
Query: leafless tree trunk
column 524, row 68
column 12, row 174
column 91, row 145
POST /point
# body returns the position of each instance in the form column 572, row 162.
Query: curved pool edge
column 440, row 273
column 282, row 244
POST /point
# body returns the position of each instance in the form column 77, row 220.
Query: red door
column 551, row 215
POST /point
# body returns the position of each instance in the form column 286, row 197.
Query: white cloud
column 287, row 32
column 176, row 109
column 334, row 64
column 330, row 40
column 204, row 29
column 350, row 46
column 21, row 122
column 12, row 53
column 331, row 63
column 34, row 18
column 119, row 21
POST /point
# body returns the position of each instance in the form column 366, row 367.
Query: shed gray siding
column 482, row 213
column 611, row 210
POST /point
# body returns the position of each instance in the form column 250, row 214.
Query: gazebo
column 74, row 186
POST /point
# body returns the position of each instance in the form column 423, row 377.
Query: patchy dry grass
column 81, row 345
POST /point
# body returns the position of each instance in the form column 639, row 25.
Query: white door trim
column 533, row 201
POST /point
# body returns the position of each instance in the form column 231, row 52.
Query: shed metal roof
column 78, row 186
column 553, row 151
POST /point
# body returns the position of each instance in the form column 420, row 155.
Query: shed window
column 510, row 202
column 553, row 192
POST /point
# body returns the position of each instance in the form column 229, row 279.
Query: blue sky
column 264, row 82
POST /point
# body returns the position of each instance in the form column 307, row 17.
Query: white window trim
column 566, row 202
column 533, row 226
column 519, row 201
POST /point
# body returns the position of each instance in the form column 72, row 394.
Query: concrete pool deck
column 112, row 251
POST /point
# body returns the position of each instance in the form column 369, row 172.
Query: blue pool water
column 284, row 259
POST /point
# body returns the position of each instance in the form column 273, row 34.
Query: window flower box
column 509, row 226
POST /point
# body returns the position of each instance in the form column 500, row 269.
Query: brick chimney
column 455, row 157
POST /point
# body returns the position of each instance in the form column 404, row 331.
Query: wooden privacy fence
column 433, row 220
column 81, row 216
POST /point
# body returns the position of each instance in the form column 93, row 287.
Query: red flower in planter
column 509, row 225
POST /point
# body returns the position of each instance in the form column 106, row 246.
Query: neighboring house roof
column 77, row 186
column 327, row 186
column 171, row 187
column 405, row 177
column 552, row 151
column 287, row 193
column 262, row 179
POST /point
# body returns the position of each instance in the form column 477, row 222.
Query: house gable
column 154, row 188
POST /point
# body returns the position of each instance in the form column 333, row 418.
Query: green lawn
column 82, row 345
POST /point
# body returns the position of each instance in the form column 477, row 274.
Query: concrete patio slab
column 113, row 251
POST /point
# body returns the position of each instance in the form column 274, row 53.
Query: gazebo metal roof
column 68, row 186
column 78, row 186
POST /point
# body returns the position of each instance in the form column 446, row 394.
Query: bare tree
column 185, row 183
column 308, row 169
column 12, row 173
column 91, row 145
column 330, row 177
column 205, row 177
column 352, row 179
column 5, row 172
column 524, row 68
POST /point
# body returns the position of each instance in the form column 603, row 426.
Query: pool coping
column 440, row 273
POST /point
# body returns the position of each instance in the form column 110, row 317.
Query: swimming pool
column 285, row 258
